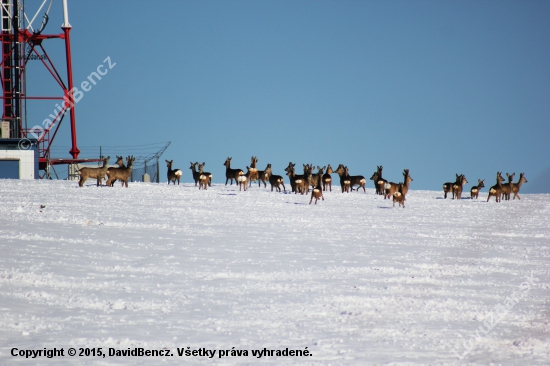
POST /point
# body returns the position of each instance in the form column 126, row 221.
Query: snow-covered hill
column 351, row 279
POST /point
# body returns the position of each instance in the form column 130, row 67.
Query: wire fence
column 145, row 167
column 141, row 171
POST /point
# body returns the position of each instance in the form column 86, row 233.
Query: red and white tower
column 22, row 43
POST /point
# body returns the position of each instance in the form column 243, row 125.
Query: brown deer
column 274, row 180
column 496, row 190
column 121, row 173
column 231, row 174
column 207, row 174
column 291, row 175
column 254, row 175
column 399, row 196
column 507, row 187
column 97, row 173
column 327, row 179
column 173, row 174
column 120, row 163
column 474, row 191
column 458, row 187
column 263, row 175
column 299, row 182
column 302, row 182
column 196, row 175
column 314, row 178
column 317, row 191
column 354, row 179
column 391, row 188
column 517, row 186
column 448, row 187
column 243, row 179
column 347, row 180
column 204, row 180
column 379, row 182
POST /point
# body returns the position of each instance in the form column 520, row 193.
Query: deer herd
column 302, row 183
column 500, row 190
column 122, row 172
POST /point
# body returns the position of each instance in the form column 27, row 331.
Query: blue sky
column 438, row 87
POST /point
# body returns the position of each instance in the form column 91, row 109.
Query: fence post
column 158, row 174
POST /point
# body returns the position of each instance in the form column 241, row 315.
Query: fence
column 145, row 167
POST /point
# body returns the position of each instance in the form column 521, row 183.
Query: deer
column 196, row 175
column 496, row 190
column 204, row 180
column 231, row 174
column 291, row 175
column 98, row 173
column 392, row 188
column 474, row 191
column 254, row 174
column 507, row 187
column 314, row 180
column 121, row 173
column 263, row 175
column 173, row 174
column 120, row 163
column 299, row 182
column 243, row 179
column 317, row 191
column 448, row 187
column 399, row 196
column 379, row 182
column 346, row 180
column 517, row 186
column 274, row 180
column 202, row 172
column 458, row 187
column 354, row 179
column 327, row 179
column 302, row 182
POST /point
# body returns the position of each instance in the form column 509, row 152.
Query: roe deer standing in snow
column 317, row 191
column 327, row 179
column 459, row 186
column 121, row 173
column 231, row 174
column 98, row 173
column 391, row 188
column 274, row 180
column 379, row 182
column 474, row 191
column 496, row 190
column 399, row 196
column 448, row 187
column 507, row 187
column 263, row 175
column 517, row 186
column 120, row 163
column 254, row 175
column 196, row 175
column 207, row 174
column 173, row 174
column 314, row 179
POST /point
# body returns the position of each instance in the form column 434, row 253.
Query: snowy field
column 350, row 280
